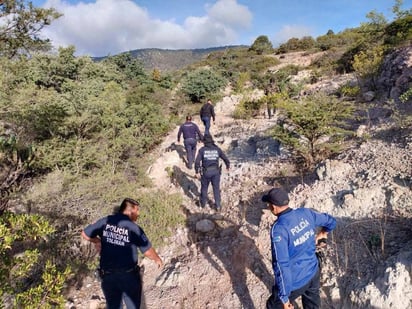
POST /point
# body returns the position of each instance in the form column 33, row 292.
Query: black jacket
column 209, row 156
column 207, row 110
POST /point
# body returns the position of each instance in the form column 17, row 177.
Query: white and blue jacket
column 294, row 258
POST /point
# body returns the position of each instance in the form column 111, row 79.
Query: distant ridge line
column 171, row 59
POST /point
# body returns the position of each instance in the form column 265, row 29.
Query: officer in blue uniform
column 191, row 135
column 207, row 162
column 117, row 237
column 293, row 238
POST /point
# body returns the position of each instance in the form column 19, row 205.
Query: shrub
column 18, row 276
column 201, row 83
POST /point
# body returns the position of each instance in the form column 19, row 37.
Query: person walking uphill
column 191, row 134
column 117, row 238
column 207, row 112
column 207, row 162
column 293, row 241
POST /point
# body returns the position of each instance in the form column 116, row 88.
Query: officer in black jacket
column 207, row 113
column 207, row 162
column 191, row 134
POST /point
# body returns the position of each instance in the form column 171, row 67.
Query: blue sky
column 107, row 27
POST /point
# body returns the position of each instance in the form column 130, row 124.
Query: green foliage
column 21, row 26
column 131, row 66
column 242, row 79
column 202, row 83
column 367, row 63
column 313, row 126
column 406, row 96
column 280, row 81
column 262, row 45
column 160, row 210
column 295, row 44
column 399, row 31
column 248, row 108
column 327, row 62
column 17, row 276
column 397, row 10
column 350, row 91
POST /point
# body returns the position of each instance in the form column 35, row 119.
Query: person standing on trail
column 207, row 112
column 191, row 135
column 117, row 237
column 293, row 240
column 207, row 164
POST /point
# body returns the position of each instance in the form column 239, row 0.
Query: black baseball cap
column 276, row 196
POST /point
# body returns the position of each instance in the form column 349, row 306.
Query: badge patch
column 277, row 238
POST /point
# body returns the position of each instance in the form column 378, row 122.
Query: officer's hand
column 321, row 239
column 159, row 263
column 197, row 175
column 97, row 246
column 288, row 305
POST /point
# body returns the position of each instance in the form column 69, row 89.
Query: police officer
column 207, row 112
column 207, row 162
column 117, row 237
column 191, row 135
column 293, row 240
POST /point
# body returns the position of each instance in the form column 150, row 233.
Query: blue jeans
column 206, row 122
column 190, row 146
column 207, row 178
column 126, row 285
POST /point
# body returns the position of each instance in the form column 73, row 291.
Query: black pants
column 190, row 146
column 120, row 286
column 210, row 176
column 309, row 292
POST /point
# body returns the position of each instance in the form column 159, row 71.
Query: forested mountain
column 171, row 60
column 78, row 135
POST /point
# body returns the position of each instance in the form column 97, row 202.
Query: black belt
column 103, row 272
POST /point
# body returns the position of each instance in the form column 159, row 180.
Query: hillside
column 367, row 188
column 167, row 60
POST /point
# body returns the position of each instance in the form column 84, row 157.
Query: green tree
column 314, row 126
column 262, row 45
column 399, row 13
column 399, row 31
column 131, row 66
column 367, row 63
column 21, row 25
column 202, row 83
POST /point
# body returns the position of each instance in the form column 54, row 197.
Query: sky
column 108, row 27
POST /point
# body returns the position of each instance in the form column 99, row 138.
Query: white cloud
column 290, row 31
column 112, row 26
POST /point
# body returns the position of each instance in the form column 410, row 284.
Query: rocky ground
column 222, row 260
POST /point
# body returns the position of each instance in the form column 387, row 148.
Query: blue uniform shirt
column 189, row 130
column 120, row 239
column 294, row 258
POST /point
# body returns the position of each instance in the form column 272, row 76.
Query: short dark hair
column 127, row 201
column 188, row 118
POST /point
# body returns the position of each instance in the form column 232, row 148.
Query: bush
column 20, row 277
column 202, row 83
column 248, row 108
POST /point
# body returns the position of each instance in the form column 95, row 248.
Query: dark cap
column 207, row 139
column 277, row 197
